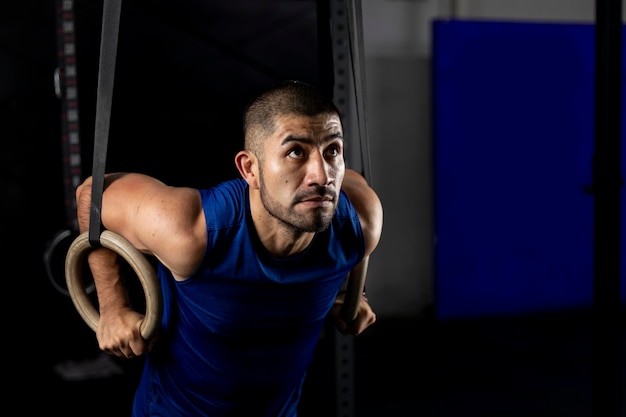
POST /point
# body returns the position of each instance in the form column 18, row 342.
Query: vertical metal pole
column 607, row 186
column 67, row 90
column 343, row 344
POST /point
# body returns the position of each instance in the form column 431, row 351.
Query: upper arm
column 368, row 206
column 159, row 220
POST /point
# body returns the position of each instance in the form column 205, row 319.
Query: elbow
column 83, row 204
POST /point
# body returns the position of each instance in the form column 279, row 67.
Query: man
column 249, row 269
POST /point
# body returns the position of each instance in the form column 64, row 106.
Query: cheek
column 280, row 174
column 339, row 172
column 277, row 182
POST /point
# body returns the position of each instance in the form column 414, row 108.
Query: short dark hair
column 285, row 98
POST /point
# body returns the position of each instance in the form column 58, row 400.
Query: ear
column 248, row 166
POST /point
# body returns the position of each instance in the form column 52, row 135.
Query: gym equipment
column 95, row 237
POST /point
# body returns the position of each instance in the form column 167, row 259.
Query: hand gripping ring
column 145, row 273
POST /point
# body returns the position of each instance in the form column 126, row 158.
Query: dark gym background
column 185, row 69
column 184, row 72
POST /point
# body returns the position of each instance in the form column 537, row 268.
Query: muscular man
column 248, row 269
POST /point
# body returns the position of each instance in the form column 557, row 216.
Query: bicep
column 371, row 216
column 368, row 206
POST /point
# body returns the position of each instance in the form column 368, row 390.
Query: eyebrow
column 309, row 141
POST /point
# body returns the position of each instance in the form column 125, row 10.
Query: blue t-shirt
column 238, row 336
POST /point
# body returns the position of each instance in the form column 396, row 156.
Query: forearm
column 103, row 262
column 110, row 288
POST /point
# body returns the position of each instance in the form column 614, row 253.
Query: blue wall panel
column 513, row 107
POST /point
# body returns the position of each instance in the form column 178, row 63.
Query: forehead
column 319, row 127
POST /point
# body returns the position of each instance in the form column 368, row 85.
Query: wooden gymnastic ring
column 145, row 273
column 52, row 247
column 354, row 291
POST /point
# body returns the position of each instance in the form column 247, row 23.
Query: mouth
column 318, row 201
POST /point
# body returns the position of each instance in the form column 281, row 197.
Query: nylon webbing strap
column 111, row 11
column 358, row 71
column 356, row 281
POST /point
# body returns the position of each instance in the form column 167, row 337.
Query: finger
column 129, row 352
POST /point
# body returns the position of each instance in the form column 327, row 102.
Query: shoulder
column 226, row 197
column 229, row 189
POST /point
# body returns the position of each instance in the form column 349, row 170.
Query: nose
column 318, row 170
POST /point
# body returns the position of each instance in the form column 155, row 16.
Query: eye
column 333, row 150
column 296, row 152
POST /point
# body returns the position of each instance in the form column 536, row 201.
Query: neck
column 278, row 238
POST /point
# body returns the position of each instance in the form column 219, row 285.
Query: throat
column 280, row 246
